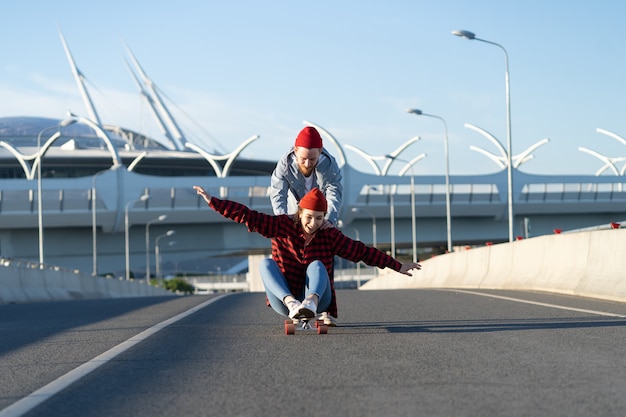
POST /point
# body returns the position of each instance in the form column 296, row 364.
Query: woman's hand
column 200, row 191
column 405, row 268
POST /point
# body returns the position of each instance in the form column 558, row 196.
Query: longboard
column 305, row 324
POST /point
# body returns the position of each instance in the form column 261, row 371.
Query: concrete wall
column 585, row 263
column 21, row 283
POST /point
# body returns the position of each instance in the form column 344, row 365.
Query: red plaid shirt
column 293, row 256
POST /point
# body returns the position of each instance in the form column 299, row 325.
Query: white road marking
column 519, row 300
column 42, row 394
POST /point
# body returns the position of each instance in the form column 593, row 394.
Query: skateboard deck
column 305, row 324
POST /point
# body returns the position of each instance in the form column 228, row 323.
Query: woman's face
column 311, row 220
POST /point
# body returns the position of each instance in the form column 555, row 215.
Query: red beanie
column 314, row 200
column 309, row 138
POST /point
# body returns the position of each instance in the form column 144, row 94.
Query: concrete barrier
column 585, row 263
column 33, row 284
column 22, row 281
column 10, row 287
column 57, row 286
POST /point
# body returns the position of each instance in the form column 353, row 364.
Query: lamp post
column 52, row 138
column 392, row 220
column 413, row 222
column 93, row 221
column 447, row 156
column 355, row 210
column 471, row 36
column 39, row 193
column 157, row 255
column 127, row 246
column 158, row 219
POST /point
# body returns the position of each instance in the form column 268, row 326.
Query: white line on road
column 37, row 397
column 519, row 300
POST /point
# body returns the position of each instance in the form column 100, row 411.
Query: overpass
column 78, row 212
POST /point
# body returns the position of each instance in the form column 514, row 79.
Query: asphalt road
column 397, row 353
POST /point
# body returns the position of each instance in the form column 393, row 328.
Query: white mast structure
column 175, row 135
column 80, row 80
column 155, row 112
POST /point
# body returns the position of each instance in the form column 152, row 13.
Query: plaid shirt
column 293, row 256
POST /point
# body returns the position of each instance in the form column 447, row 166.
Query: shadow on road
column 484, row 326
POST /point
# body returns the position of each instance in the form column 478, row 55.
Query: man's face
column 311, row 220
column 307, row 159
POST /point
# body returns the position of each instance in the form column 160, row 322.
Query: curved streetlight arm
column 230, row 158
column 526, row 155
column 42, row 152
column 410, row 164
column 117, row 161
column 499, row 160
column 489, row 136
column 209, row 158
column 19, row 156
column 369, row 158
column 390, row 158
column 234, row 154
column 613, row 135
column 393, row 155
column 136, row 161
column 607, row 161
column 472, row 37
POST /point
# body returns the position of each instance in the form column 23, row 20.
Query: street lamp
column 471, row 36
column 39, row 205
column 93, row 221
column 447, row 155
column 127, row 246
column 355, row 210
column 39, row 185
column 157, row 256
column 158, row 219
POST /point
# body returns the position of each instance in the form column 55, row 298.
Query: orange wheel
column 289, row 327
column 322, row 329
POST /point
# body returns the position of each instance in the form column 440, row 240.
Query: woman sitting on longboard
column 298, row 278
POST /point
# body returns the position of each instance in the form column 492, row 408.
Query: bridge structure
column 86, row 220
column 99, row 222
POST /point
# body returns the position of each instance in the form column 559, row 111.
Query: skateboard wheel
column 290, row 328
column 322, row 329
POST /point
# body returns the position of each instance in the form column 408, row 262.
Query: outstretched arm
column 264, row 224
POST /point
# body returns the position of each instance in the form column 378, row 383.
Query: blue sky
column 233, row 69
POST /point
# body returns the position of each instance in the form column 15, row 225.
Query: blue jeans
column 276, row 288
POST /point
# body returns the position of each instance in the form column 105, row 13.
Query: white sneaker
column 329, row 320
column 308, row 309
column 294, row 307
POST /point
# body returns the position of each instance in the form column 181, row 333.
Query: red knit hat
column 309, row 138
column 314, row 200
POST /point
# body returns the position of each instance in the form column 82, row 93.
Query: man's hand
column 200, row 191
column 326, row 225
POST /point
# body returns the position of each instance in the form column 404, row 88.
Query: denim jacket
column 288, row 184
